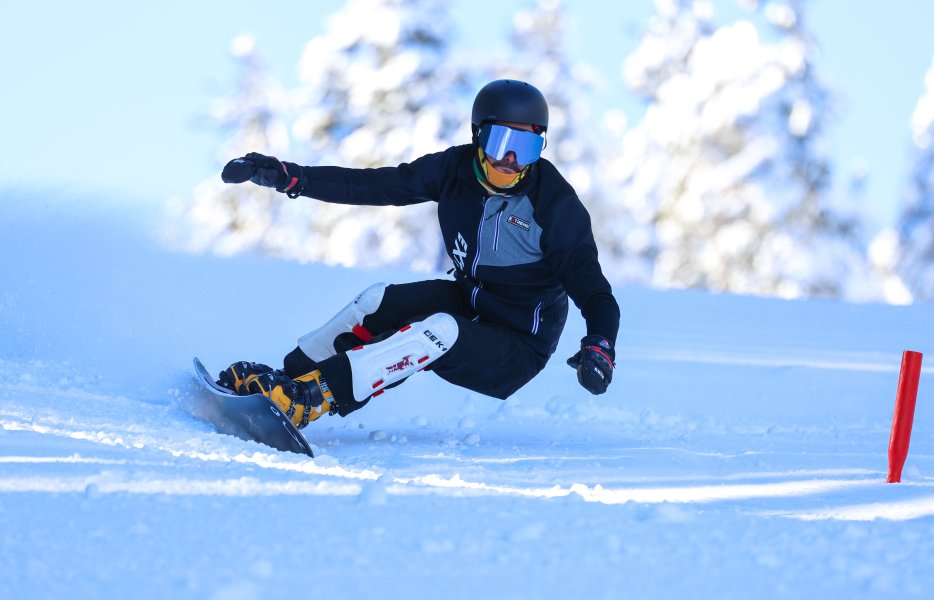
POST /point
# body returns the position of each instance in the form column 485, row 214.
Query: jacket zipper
column 499, row 217
column 476, row 259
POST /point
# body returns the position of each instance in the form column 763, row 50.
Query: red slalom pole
column 904, row 416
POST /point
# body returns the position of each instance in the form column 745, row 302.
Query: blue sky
column 106, row 98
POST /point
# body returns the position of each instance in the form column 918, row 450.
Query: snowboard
column 252, row 418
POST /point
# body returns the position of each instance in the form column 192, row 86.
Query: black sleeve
column 569, row 247
column 408, row 183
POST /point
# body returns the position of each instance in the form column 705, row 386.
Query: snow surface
column 740, row 452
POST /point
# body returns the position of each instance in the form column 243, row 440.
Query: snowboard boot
column 303, row 399
column 235, row 376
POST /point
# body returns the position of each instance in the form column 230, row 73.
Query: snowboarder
column 521, row 244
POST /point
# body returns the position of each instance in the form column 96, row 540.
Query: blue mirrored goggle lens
column 497, row 140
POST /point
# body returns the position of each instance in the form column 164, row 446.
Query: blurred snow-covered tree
column 376, row 89
column 538, row 54
column 728, row 157
column 231, row 219
column 915, row 260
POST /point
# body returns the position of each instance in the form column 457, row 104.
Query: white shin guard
column 409, row 350
column 319, row 344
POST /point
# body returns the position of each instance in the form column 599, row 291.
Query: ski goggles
column 498, row 140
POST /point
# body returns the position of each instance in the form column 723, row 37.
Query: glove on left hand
column 594, row 363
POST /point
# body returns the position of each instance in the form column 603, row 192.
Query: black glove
column 264, row 170
column 594, row 363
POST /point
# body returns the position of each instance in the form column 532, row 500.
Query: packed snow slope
column 740, row 451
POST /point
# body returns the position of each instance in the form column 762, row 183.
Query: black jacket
column 517, row 257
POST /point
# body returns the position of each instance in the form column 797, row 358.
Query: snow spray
column 905, row 399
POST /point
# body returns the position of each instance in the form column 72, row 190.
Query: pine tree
column 638, row 164
column 728, row 158
column 377, row 89
column 231, row 219
column 916, row 222
column 539, row 56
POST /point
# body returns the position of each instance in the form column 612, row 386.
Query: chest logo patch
column 520, row 223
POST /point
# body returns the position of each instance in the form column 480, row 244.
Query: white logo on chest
column 459, row 251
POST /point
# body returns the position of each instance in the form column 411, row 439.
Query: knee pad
column 319, row 344
column 375, row 367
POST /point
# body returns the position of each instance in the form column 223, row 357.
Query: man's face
column 508, row 163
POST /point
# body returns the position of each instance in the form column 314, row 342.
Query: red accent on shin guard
column 362, row 332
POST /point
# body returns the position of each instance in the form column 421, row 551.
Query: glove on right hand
column 263, row 170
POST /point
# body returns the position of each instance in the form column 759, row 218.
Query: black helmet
column 510, row 100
